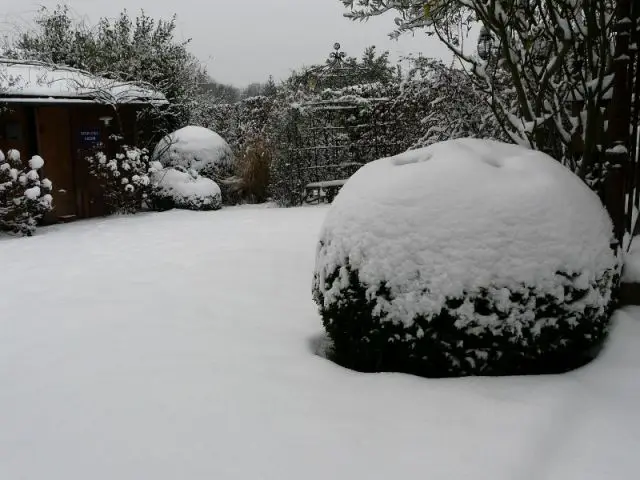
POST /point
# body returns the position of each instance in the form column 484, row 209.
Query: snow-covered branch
column 556, row 54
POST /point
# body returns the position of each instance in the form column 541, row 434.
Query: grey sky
column 242, row 41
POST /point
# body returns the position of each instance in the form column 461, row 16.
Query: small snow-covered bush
column 253, row 172
column 179, row 188
column 466, row 257
column 124, row 178
column 24, row 197
column 250, row 184
column 196, row 148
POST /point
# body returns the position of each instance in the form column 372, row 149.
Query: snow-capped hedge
column 465, row 257
column 179, row 188
column 196, row 148
column 24, row 197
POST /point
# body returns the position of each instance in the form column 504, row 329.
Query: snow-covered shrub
column 181, row 188
column 124, row 178
column 24, row 197
column 223, row 118
column 439, row 102
column 196, row 148
column 465, row 257
column 244, row 125
column 253, row 172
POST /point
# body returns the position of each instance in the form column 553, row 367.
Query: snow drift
column 465, row 257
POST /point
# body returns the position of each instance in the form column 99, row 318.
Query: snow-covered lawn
column 180, row 346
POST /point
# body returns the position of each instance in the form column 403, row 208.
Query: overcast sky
column 242, row 41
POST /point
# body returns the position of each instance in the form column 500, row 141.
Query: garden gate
column 344, row 121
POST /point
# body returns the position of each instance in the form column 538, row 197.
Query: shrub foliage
column 536, row 333
column 124, row 178
column 24, row 197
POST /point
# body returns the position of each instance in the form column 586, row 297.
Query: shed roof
column 27, row 81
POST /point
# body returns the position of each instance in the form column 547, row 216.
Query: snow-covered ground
column 180, row 346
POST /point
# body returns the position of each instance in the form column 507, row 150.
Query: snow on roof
column 26, row 81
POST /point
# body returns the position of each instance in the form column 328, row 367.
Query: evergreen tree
column 270, row 88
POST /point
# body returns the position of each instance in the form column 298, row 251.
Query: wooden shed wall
column 54, row 146
column 17, row 130
column 64, row 135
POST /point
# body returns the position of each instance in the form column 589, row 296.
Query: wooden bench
column 317, row 192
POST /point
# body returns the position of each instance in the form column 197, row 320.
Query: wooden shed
column 63, row 114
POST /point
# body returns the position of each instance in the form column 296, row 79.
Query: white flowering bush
column 124, row 178
column 24, row 197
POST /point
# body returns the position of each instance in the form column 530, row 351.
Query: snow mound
column 196, row 148
column 176, row 188
column 463, row 225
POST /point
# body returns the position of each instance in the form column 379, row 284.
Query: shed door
column 54, row 145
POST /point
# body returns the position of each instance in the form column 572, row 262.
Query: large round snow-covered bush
column 196, row 148
column 180, row 188
column 466, row 257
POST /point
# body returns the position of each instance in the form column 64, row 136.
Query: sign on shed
column 89, row 138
